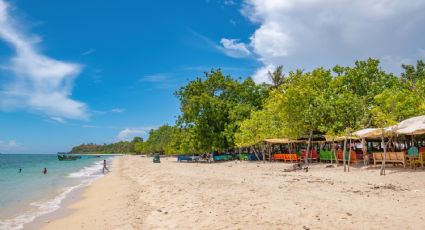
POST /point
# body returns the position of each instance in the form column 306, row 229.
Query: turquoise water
column 26, row 195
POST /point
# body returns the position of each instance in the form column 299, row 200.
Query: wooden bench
column 390, row 157
column 285, row 156
column 326, row 155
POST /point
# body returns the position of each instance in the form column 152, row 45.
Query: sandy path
column 141, row 195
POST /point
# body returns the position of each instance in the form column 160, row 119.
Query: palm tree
column 277, row 77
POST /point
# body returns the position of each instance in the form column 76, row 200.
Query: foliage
column 213, row 107
column 277, row 78
column 219, row 112
column 127, row 147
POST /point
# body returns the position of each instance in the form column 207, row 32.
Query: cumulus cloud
column 128, row 134
column 40, row 84
column 261, row 75
column 234, row 48
column 311, row 33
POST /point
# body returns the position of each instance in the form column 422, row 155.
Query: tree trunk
column 264, row 154
column 269, row 147
column 256, row 153
column 349, row 154
column 343, row 154
column 385, row 153
column 334, row 152
column 364, row 150
column 307, row 152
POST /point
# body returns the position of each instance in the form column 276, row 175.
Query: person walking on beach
column 104, row 167
column 45, row 171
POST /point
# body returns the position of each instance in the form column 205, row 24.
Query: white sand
column 141, row 195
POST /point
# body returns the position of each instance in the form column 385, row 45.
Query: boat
column 64, row 157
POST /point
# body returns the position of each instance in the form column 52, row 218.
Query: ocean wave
column 89, row 171
column 87, row 176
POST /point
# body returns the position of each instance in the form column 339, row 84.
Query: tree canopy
column 220, row 113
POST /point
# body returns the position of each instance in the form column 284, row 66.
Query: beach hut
column 291, row 156
column 412, row 127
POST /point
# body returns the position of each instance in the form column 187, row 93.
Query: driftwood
column 297, row 166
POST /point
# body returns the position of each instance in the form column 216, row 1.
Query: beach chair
column 421, row 159
column 326, row 155
column 413, row 156
column 311, row 156
column 243, row 156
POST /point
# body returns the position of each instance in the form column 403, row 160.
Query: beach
column 138, row 194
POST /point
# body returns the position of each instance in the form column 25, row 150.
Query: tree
column 303, row 105
column 213, row 107
column 345, row 113
column 411, row 75
column 366, row 80
column 277, row 77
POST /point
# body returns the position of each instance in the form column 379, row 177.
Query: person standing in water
column 104, row 167
column 45, row 171
column 20, row 170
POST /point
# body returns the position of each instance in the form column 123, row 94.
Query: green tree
column 213, row 107
column 413, row 75
column 303, row 106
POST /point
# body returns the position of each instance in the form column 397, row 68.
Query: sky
column 77, row 71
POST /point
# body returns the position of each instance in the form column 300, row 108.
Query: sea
column 30, row 193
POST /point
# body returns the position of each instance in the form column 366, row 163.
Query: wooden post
column 365, row 154
column 343, row 154
column 349, row 154
column 308, row 147
column 385, row 153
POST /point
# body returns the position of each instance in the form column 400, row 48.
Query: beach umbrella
column 368, row 133
column 375, row 132
column 281, row 141
column 412, row 126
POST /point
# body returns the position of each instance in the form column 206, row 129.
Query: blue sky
column 133, row 56
column 75, row 71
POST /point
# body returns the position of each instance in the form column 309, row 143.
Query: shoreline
column 64, row 210
column 139, row 194
column 92, row 200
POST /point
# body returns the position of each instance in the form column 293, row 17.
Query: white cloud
column 261, row 75
column 88, row 52
column 229, row 2
column 40, row 84
column 128, row 134
column 312, row 33
column 234, row 48
column 118, row 110
column 155, row 78
column 8, row 145
column 58, row 119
